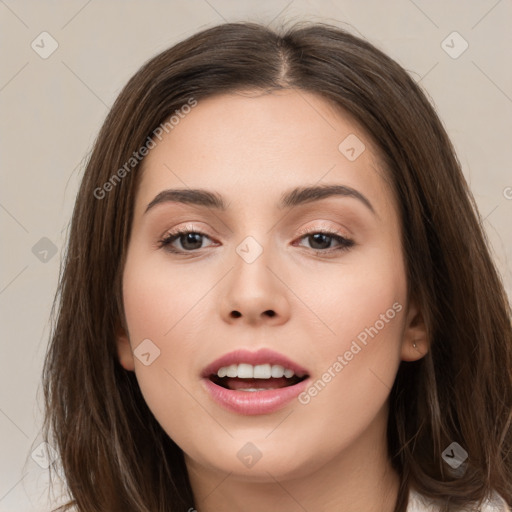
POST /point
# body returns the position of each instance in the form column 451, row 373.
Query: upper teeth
column 260, row 371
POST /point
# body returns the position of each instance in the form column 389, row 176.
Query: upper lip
column 262, row 356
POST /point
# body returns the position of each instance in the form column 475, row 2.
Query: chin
column 262, row 460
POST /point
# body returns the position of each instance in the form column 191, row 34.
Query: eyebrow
column 291, row 198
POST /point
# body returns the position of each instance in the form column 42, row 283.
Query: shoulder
column 419, row 503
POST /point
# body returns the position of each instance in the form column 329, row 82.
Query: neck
column 359, row 478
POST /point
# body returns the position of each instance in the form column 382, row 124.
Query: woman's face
column 256, row 278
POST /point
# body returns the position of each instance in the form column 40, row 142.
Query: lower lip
column 251, row 403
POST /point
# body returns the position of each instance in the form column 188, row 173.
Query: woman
column 336, row 337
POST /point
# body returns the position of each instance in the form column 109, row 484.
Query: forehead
column 252, row 146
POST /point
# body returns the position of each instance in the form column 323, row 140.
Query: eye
column 321, row 240
column 190, row 240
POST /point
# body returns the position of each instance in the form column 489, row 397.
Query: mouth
column 254, row 382
column 249, row 378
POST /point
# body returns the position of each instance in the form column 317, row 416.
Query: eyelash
column 344, row 243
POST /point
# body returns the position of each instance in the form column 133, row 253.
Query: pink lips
column 257, row 402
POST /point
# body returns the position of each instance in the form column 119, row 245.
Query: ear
column 124, row 348
column 415, row 343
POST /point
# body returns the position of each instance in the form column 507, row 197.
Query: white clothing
column 418, row 503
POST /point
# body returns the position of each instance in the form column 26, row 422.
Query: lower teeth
column 253, row 389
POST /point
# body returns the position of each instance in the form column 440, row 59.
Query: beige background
column 51, row 110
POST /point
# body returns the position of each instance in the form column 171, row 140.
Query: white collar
column 419, row 503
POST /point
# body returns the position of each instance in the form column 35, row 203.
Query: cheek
column 160, row 297
column 363, row 299
column 161, row 305
column 358, row 357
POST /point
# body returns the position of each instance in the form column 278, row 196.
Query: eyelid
column 320, row 229
column 301, row 231
column 324, row 225
column 188, row 226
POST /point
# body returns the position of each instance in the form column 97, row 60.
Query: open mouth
column 248, row 384
column 252, row 383
column 264, row 370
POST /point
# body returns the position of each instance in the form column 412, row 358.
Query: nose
column 255, row 292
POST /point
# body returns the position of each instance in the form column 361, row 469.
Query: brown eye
column 320, row 241
column 189, row 241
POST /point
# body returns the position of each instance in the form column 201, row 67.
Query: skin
column 328, row 455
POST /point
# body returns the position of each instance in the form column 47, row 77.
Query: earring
column 414, row 345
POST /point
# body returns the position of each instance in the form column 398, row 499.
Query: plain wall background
column 51, row 110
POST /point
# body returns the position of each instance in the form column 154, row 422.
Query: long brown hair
column 114, row 454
